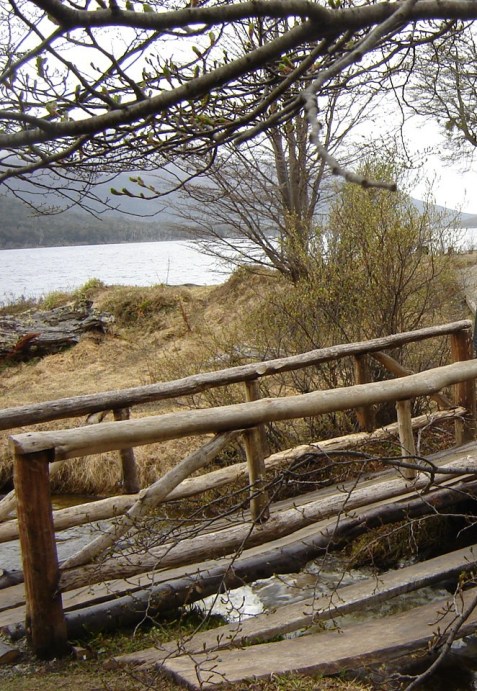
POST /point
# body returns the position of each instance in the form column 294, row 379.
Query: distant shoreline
column 95, row 244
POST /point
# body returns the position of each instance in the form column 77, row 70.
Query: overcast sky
column 454, row 182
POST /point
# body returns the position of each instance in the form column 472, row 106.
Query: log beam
column 406, row 437
column 464, row 391
column 45, row 621
column 128, row 460
column 259, row 501
column 365, row 414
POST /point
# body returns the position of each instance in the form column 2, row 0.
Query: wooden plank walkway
column 307, row 612
column 12, row 600
column 328, row 652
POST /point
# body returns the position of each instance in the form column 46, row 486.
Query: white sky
column 453, row 183
column 452, row 187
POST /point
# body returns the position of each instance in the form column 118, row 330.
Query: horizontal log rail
column 111, row 507
column 110, row 436
column 21, row 416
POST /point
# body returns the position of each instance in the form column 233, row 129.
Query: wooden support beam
column 253, row 441
column 406, row 437
column 45, row 620
column 128, row 460
column 464, row 392
column 362, row 375
column 395, row 367
column 150, row 498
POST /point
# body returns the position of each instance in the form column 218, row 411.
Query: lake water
column 37, row 271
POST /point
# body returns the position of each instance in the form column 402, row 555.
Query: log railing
column 35, row 451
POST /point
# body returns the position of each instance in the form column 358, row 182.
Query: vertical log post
column 254, row 450
column 128, row 459
column 464, row 392
column 365, row 414
column 45, row 621
column 406, row 437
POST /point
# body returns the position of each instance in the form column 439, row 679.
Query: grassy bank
column 159, row 333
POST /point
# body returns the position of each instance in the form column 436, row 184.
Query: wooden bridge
column 105, row 583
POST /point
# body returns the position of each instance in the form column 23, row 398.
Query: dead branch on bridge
column 167, row 596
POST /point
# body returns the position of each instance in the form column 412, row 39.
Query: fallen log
column 36, row 333
column 237, row 538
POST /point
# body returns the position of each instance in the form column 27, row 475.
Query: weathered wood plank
column 84, row 405
column 109, row 436
column 309, row 611
column 328, row 652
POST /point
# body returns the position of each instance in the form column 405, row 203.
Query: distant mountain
column 468, row 220
column 462, row 220
column 127, row 219
column 21, row 227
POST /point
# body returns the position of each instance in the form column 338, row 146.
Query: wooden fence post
column 128, row 459
column 253, row 440
column 45, row 621
column 365, row 413
column 464, row 393
column 406, row 437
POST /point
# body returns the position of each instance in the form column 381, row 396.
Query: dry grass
column 158, row 334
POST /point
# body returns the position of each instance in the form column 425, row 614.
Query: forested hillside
column 22, row 227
